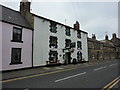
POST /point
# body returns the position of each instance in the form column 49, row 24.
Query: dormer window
column 67, row 31
column 53, row 42
column 78, row 34
column 53, row 27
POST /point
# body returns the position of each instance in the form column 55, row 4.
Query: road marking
column 70, row 77
column 100, row 68
column 114, row 83
column 111, row 84
column 59, row 68
column 46, row 68
column 112, row 64
column 25, row 77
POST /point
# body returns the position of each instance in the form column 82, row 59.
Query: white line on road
column 100, row 68
column 112, row 64
column 70, row 77
column 46, row 68
column 59, row 68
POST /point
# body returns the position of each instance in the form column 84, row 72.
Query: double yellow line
column 111, row 84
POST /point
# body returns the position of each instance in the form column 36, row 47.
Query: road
column 97, row 76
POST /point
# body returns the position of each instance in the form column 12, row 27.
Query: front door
column 68, row 57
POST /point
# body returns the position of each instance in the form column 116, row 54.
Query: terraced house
column 104, row 49
column 54, row 42
column 16, row 40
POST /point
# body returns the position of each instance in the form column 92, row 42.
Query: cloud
column 94, row 17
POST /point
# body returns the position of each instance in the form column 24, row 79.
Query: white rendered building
column 54, row 41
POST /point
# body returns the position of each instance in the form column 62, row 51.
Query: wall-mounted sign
column 73, row 45
column 65, row 50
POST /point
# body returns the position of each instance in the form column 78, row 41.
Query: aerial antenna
column 65, row 21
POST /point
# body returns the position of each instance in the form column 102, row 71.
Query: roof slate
column 13, row 17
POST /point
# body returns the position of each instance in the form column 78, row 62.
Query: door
column 68, row 57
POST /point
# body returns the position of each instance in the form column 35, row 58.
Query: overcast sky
column 94, row 17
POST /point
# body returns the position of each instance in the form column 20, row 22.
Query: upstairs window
column 78, row 34
column 67, row 31
column 17, row 34
column 16, row 56
column 79, row 45
column 53, row 42
column 67, row 43
column 53, row 55
column 53, row 27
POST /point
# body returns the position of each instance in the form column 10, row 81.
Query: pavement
column 84, row 75
column 40, row 70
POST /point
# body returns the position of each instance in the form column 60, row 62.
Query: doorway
column 68, row 58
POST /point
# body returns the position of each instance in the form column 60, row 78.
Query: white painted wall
column 84, row 46
column 41, row 42
column 0, row 48
column 7, row 45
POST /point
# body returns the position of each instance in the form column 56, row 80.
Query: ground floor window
column 16, row 56
column 53, row 55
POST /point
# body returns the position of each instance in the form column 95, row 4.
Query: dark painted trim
column 20, row 56
column 21, row 29
column 16, row 24
column 15, row 63
column 17, row 41
column 32, row 47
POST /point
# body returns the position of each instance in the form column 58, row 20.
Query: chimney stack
column 114, row 35
column 25, row 7
column 106, row 37
column 77, row 25
column 93, row 36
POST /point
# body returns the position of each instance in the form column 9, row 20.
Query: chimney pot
column 77, row 25
column 93, row 36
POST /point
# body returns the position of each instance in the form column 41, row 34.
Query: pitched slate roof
column 13, row 17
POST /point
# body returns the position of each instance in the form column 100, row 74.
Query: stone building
column 103, row 49
column 94, row 49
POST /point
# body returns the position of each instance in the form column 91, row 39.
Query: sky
column 98, row 18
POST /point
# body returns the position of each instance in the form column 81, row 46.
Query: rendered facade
column 52, row 40
column 16, row 40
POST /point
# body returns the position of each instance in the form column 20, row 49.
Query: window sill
column 79, row 37
column 15, row 63
column 17, row 41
